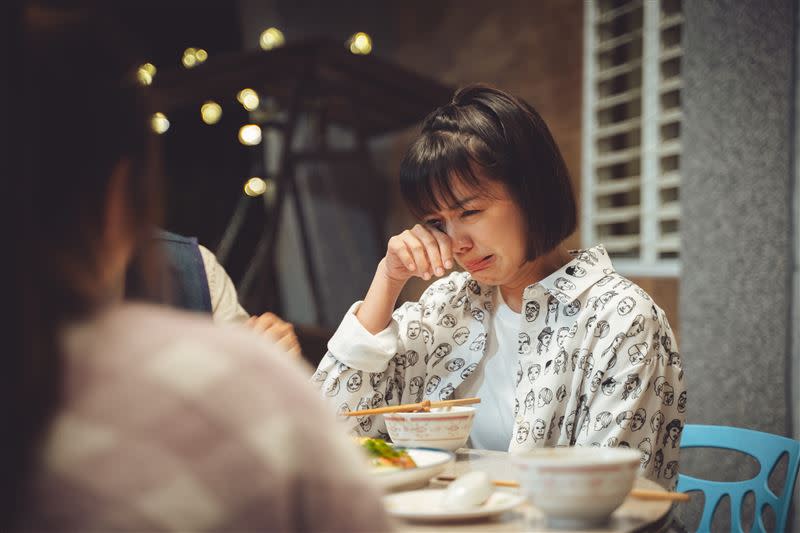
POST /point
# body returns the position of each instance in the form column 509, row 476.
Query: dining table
column 634, row 515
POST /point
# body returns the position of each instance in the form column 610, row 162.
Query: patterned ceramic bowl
column 577, row 487
column 440, row 428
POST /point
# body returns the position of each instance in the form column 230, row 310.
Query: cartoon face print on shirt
column 560, row 362
column 656, row 422
column 587, row 365
column 477, row 314
column 457, row 300
column 461, row 335
column 597, row 380
column 563, row 284
column 524, row 344
column 682, row 402
column 446, row 392
column 319, row 376
column 441, row 351
column 544, row 340
column 533, row 372
column 632, row 387
column 671, row 469
column 516, row 407
column 448, row 321
column 646, row 447
column 624, row 418
column 454, row 365
column 625, row 306
column 531, row 310
column 519, row 373
column 561, row 393
column 364, row 421
column 413, row 329
column 355, row 381
column 602, row 421
column 572, row 308
column 639, row 418
column 597, row 329
column 407, row 359
column 545, row 397
column 433, row 383
column 538, row 430
column 636, row 327
column 576, row 271
column 467, row 372
column 530, row 401
column 673, row 432
column 608, row 386
column 479, row 343
column 657, row 462
column 415, row 388
column 522, row 432
column 427, row 335
column 332, row 387
column 664, row 390
column 552, row 310
column 474, row 287
column 427, row 311
column 343, row 409
column 637, row 353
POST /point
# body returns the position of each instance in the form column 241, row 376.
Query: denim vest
column 180, row 279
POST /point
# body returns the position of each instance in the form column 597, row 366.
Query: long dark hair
column 487, row 133
column 81, row 114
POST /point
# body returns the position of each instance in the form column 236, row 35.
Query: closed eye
column 470, row 212
column 435, row 224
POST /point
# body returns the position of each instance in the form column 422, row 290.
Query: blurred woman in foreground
column 132, row 417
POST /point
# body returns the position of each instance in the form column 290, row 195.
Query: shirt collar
column 587, row 267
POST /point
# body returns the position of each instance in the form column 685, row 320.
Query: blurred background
column 677, row 120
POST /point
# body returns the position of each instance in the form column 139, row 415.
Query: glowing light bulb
column 271, row 38
column 200, row 55
column 211, row 112
column 159, row 123
column 189, row 58
column 250, row 134
column 248, row 98
column 255, row 187
column 360, row 43
column 145, row 73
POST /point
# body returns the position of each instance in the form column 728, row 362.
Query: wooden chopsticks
column 640, row 494
column 426, row 405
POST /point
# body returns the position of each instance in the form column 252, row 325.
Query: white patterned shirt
column 596, row 361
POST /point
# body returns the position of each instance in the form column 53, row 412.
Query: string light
column 145, row 73
column 159, row 123
column 255, row 187
column 211, row 112
column 193, row 57
column 250, row 134
column 360, row 43
column 271, row 38
column 248, row 98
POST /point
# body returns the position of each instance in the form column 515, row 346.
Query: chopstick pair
column 639, row 494
column 426, row 405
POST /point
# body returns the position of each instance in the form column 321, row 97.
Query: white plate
column 426, row 505
column 430, row 462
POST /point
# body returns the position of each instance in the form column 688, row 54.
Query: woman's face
column 487, row 230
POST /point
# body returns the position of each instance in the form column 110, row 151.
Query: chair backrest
column 764, row 447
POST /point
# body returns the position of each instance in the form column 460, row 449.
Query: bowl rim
column 454, row 412
column 549, row 457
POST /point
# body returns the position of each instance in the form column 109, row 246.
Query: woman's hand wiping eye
column 424, row 251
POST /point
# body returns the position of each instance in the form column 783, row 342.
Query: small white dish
column 468, row 490
column 430, row 462
column 427, row 505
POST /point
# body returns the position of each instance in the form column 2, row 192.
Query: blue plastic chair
column 767, row 449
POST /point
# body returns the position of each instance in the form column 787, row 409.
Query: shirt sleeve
column 225, row 305
column 638, row 399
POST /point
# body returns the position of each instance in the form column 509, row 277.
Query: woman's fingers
column 397, row 247
column 431, row 245
column 418, row 252
column 445, row 249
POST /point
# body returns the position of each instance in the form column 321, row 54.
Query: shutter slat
column 616, row 186
column 621, row 243
column 618, row 127
column 670, row 211
column 620, row 98
column 610, row 15
column 613, row 158
column 613, row 72
column 614, row 215
column 610, row 44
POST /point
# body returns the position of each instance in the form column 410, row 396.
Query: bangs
column 434, row 163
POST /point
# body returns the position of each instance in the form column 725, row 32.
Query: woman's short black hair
column 487, row 133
